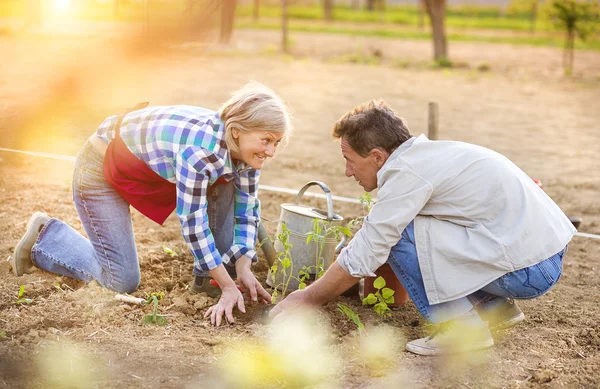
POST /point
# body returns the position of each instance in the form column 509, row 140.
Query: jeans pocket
column 551, row 268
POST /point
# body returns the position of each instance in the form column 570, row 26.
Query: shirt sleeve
column 401, row 196
column 195, row 166
column 246, row 215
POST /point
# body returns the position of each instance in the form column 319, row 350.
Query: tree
column 578, row 18
column 256, row 8
column 227, row 16
column 328, row 9
column 436, row 9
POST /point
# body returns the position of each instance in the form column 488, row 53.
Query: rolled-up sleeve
column 246, row 215
column 402, row 194
column 194, row 169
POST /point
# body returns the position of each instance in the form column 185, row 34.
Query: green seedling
column 20, row 299
column 284, row 259
column 346, row 310
column 381, row 298
column 169, row 251
column 3, row 335
column 154, row 317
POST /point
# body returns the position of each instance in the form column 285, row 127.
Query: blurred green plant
column 169, row 251
column 3, row 335
column 350, row 314
column 20, row 299
column 154, row 318
column 381, row 298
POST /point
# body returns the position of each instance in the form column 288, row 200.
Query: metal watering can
column 299, row 221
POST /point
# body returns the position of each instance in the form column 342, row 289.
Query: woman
column 202, row 163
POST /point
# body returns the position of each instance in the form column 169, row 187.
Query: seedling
column 169, row 251
column 3, row 335
column 154, row 318
column 20, row 299
column 346, row 310
column 284, row 259
column 381, row 298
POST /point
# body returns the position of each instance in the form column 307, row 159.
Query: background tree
column 436, row 9
column 328, row 9
column 577, row 18
column 255, row 10
column 227, row 16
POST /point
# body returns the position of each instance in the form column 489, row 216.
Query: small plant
column 381, row 298
column 3, row 335
column 346, row 310
column 284, row 259
column 20, row 299
column 169, row 251
column 154, row 317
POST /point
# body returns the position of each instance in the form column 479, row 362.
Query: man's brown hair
column 371, row 125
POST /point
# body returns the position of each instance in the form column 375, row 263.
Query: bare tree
column 421, row 9
column 328, row 9
column 255, row 11
column 227, row 16
column 436, row 9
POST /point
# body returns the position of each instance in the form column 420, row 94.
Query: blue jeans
column 526, row 283
column 108, row 254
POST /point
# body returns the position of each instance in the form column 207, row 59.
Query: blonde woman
column 203, row 164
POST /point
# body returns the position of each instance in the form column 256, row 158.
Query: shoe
column 468, row 333
column 201, row 284
column 21, row 260
column 502, row 317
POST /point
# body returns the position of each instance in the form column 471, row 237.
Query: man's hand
column 230, row 297
column 297, row 299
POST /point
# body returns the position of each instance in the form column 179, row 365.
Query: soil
column 522, row 107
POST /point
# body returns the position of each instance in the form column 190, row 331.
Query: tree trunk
column 534, row 12
column 328, row 9
column 436, row 9
column 370, row 5
column 569, row 53
column 284, row 26
column 256, row 8
column 227, row 16
column 421, row 7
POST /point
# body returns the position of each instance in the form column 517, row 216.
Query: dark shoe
column 505, row 316
column 201, row 284
column 21, row 260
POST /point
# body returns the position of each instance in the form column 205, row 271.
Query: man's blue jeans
column 526, row 283
column 109, row 255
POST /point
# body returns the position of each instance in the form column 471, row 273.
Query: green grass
column 457, row 17
column 550, row 41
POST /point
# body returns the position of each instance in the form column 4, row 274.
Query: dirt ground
column 55, row 89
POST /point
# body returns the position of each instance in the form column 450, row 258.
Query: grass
column 296, row 26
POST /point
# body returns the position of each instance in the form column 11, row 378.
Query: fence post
column 433, row 122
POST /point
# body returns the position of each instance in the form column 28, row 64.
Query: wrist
column 243, row 263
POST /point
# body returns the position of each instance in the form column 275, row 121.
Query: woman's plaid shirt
column 186, row 145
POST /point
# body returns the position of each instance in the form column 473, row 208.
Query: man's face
column 363, row 169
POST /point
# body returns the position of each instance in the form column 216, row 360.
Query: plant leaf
column 387, row 292
column 370, row 299
column 21, row 291
column 389, row 300
column 169, row 251
column 379, row 282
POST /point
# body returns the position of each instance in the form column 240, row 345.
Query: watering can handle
column 327, row 195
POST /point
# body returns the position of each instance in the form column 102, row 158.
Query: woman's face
column 256, row 146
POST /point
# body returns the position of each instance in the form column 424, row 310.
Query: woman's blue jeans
column 108, row 254
column 526, row 283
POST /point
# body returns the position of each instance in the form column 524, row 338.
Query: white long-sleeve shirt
column 477, row 217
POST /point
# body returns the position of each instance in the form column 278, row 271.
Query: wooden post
column 433, row 122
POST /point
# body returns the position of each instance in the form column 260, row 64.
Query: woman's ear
column 235, row 133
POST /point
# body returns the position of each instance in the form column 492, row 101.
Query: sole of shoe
column 513, row 321
column 21, row 260
column 435, row 351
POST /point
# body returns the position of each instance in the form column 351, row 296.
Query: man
column 464, row 229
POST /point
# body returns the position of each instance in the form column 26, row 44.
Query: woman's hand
column 230, row 297
column 248, row 282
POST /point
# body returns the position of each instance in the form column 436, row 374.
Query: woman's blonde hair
column 255, row 107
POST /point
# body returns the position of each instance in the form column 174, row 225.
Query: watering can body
column 299, row 220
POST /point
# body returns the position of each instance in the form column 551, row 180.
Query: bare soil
column 54, row 90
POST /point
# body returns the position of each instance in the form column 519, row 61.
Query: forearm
column 334, row 282
column 220, row 275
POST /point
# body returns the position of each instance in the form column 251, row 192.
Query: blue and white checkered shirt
column 186, row 146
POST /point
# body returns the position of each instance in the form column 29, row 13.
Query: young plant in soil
column 20, row 299
column 381, row 298
column 322, row 230
column 284, row 259
column 346, row 310
column 154, row 318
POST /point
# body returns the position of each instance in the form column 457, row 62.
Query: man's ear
column 379, row 156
